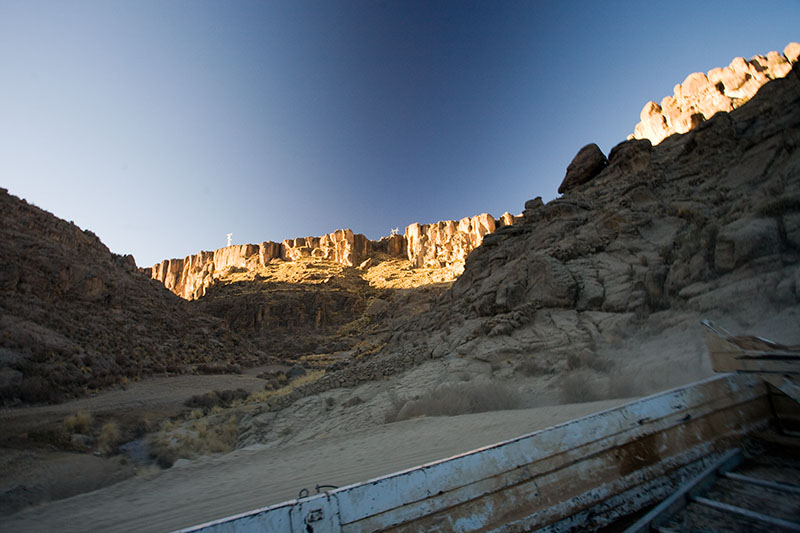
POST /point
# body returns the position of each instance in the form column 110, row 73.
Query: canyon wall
column 700, row 96
column 444, row 245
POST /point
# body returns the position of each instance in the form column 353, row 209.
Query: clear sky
column 164, row 125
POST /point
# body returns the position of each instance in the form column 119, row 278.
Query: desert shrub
column 189, row 440
column 588, row 359
column 78, row 422
column 209, row 400
column 579, row 387
column 533, row 366
column 204, row 368
column 458, row 399
column 110, row 437
column 36, row 389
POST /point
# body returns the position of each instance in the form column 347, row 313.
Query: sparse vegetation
column 79, row 422
column 265, row 395
column 225, row 398
column 109, row 438
column 187, row 440
column 581, row 386
column 459, row 399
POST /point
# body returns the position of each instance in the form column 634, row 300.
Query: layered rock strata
column 444, row 244
column 700, row 96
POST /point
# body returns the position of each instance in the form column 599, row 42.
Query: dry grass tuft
column 204, row 436
column 110, row 438
column 79, row 422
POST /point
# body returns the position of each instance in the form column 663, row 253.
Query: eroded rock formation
column 443, row 245
column 700, row 95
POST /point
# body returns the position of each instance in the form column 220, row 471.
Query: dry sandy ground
column 197, row 491
column 30, row 474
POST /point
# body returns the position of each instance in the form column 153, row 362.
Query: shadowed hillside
column 75, row 317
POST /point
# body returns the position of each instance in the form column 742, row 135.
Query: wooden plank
column 783, row 487
column 771, row 520
column 677, row 501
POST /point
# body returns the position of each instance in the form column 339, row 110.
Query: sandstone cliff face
column 700, row 96
column 75, row 317
column 443, row 245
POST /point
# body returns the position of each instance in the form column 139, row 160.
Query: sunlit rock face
column 700, row 95
column 443, row 245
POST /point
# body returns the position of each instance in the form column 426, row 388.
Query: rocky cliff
column 704, row 224
column 444, row 245
column 599, row 293
column 76, row 317
column 700, row 95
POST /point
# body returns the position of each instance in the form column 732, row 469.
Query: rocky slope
column 75, row 317
column 599, row 293
column 707, row 222
column 700, row 96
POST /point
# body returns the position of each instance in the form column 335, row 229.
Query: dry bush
column 194, row 438
column 458, row 399
column 79, row 422
column 581, row 386
column 110, row 437
column 210, row 400
column 588, row 359
column 534, row 366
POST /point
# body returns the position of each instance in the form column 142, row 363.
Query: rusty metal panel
column 543, row 477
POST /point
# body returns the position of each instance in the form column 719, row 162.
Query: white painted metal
column 542, row 478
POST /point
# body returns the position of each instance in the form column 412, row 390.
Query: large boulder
column 587, row 164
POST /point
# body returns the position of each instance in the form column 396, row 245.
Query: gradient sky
column 164, row 125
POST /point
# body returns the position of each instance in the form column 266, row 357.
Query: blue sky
column 164, row 125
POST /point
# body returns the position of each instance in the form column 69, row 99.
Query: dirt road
column 210, row 488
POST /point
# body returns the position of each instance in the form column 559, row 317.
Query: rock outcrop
column 447, row 244
column 444, row 245
column 587, row 163
column 75, row 317
column 700, row 96
column 618, row 272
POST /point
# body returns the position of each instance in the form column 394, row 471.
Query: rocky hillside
column 75, row 317
column 700, row 95
column 706, row 223
column 611, row 279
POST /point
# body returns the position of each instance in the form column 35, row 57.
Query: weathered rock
column 701, row 96
column 743, row 240
column 587, row 164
